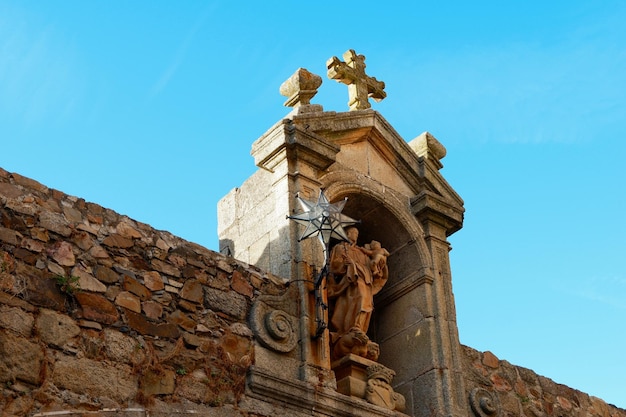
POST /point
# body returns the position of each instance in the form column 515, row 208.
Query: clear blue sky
column 150, row 108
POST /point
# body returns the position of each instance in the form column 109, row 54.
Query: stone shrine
column 396, row 191
column 104, row 316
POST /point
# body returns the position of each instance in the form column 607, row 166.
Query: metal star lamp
column 324, row 221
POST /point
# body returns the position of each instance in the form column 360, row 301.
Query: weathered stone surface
column 55, row 223
column 39, row 288
column 40, row 233
column 240, row 285
column 86, row 281
column 157, row 382
column 96, row 378
column 153, row 281
column 90, row 324
column 62, row 253
column 33, row 245
column 198, row 344
column 96, row 307
column 106, row 275
column 230, row 303
column 10, row 190
column 28, row 182
column 143, row 326
column 152, row 309
column 135, row 287
column 20, row 359
column 174, row 283
column 127, row 300
column 165, row 268
column 188, row 305
column 55, row 328
column 192, row 291
column 490, row 360
column 182, row 320
column 12, row 301
column 117, row 241
column 98, row 252
column 122, row 348
column 72, row 215
column 16, row 319
column 10, row 236
column 124, row 229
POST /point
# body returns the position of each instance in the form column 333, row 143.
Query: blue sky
column 150, row 108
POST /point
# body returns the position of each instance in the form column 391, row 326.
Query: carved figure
column 379, row 390
column 378, row 261
column 351, row 290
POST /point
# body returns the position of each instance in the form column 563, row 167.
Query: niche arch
column 405, row 304
column 385, row 216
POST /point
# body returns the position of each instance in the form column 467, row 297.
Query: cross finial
column 360, row 85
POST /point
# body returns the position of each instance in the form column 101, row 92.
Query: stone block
column 143, row 326
column 135, row 287
column 55, row 328
column 106, row 275
column 153, row 281
column 231, row 303
column 117, row 241
column 192, row 291
column 20, row 359
column 182, row 320
column 127, row 300
column 122, row 348
column 86, row 281
column 16, row 319
column 152, row 309
column 55, row 223
column 158, row 382
column 62, row 253
column 98, row 379
column 39, row 288
column 240, row 285
column 96, row 307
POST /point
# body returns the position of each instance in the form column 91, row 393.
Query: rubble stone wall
column 102, row 314
column 497, row 388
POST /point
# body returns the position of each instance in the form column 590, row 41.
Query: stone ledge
column 299, row 395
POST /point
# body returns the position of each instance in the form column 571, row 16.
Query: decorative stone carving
column 357, row 343
column 427, row 146
column 364, row 378
column 484, row 403
column 300, row 88
column 274, row 328
column 352, row 73
column 379, row 390
column 356, row 278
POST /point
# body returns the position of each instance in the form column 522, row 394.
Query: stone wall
column 105, row 316
column 102, row 314
column 497, row 388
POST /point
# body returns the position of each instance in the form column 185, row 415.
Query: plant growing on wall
column 69, row 285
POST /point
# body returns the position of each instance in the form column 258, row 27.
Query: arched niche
column 386, row 217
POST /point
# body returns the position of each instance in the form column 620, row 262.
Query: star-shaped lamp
column 324, row 220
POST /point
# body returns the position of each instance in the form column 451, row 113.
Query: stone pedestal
column 351, row 375
column 363, row 378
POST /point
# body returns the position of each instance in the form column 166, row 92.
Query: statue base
column 363, row 378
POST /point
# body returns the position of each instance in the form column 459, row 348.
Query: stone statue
column 357, row 274
column 378, row 255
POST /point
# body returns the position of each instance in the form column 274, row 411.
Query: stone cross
column 352, row 73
